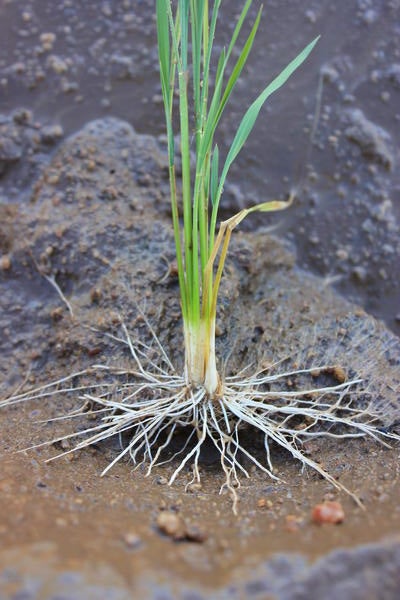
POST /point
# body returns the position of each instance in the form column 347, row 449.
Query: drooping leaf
column 250, row 117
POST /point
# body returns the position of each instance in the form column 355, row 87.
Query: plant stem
column 200, row 358
column 185, row 44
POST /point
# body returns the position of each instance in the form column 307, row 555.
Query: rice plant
column 152, row 401
column 185, row 43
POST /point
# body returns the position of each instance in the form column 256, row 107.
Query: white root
column 151, row 403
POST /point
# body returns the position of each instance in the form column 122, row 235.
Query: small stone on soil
column 328, row 512
column 132, row 540
column 175, row 527
column 172, row 525
column 339, row 374
column 5, row 263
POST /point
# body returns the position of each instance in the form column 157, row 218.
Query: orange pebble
column 328, row 512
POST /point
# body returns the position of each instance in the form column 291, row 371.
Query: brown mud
column 93, row 227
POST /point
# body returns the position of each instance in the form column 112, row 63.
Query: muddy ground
column 90, row 214
column 91, row 228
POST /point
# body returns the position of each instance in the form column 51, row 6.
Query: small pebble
column 328, row 512
column 57, row 314
column 47, row 40
column 339, row 374
column 95, row 295
column 5, row 262
column 172, row 525
column 132, row 540
column 315, row 372
column 175, row 527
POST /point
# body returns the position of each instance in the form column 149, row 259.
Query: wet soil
column 90, row 215
column 94, row 228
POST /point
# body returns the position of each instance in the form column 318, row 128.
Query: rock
column 57, row 64
column 5, row 262
column 47, row 40
column 374, row 142
column 172, row 525
column 132, row 540
column 339, row 374
column 329, row 511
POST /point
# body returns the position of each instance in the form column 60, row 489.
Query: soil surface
column 86, row 244
column 93, row 228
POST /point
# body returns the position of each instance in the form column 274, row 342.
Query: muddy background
column 82, row 210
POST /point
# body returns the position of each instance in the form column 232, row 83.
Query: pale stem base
column 200, row 361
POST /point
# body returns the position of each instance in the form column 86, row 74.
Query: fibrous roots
column 149, row 404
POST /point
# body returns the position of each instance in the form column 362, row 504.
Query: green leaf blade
column 250, row 117
column 241, row 61
column 214, row 175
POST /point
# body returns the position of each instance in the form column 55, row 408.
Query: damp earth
column 86, row 244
